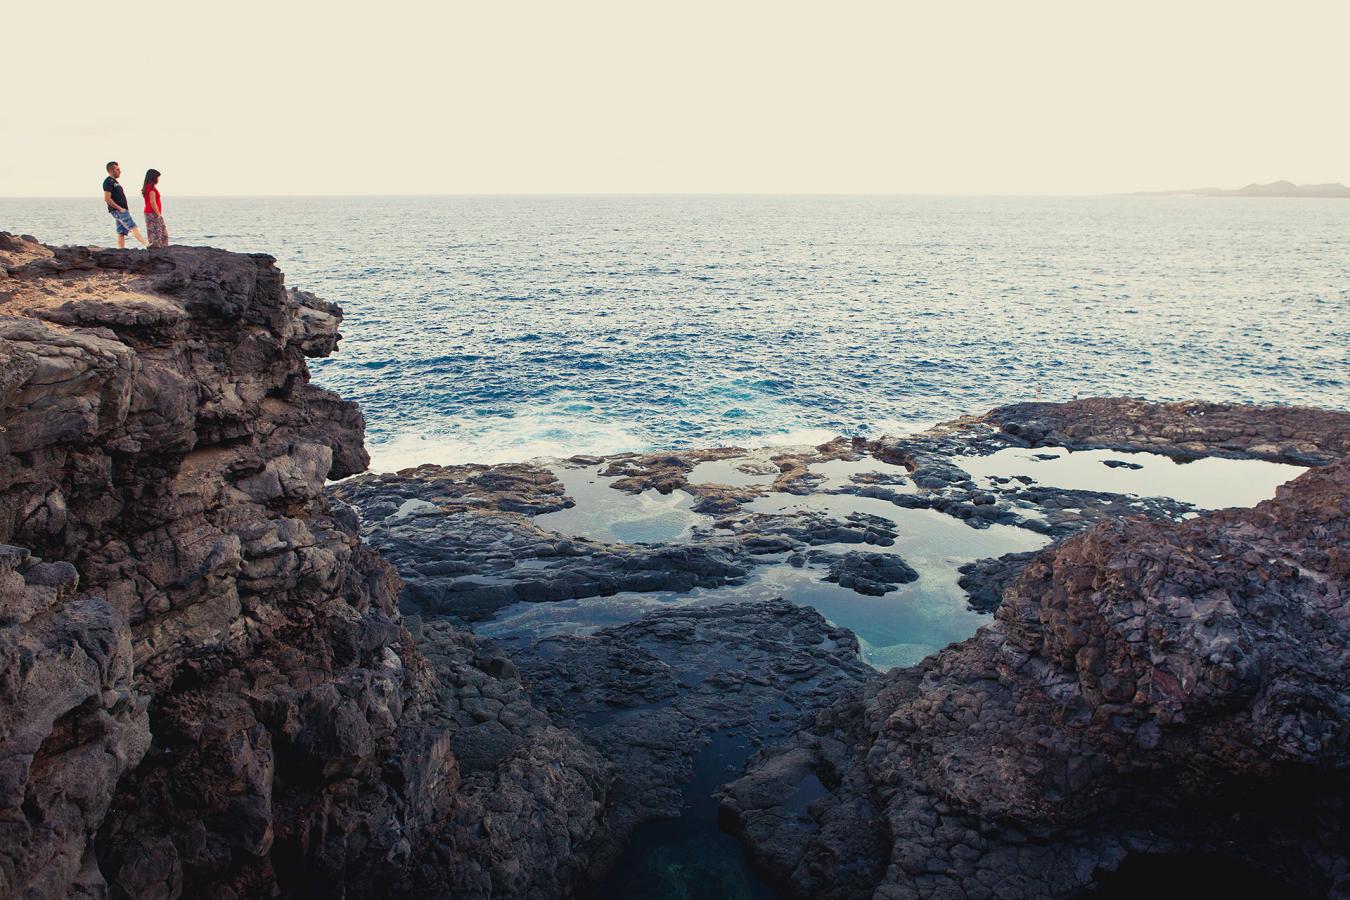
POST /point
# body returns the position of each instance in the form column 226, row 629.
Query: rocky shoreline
column 1147, row 688
column 227, row 677
column 209, row 690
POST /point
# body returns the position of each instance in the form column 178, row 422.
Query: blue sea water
column 489, row 329
column 495, row 328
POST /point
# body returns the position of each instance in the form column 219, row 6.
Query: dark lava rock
column 1053, row 511
column 471, row 559
column 1289, row 434
column 985, row 580
column 1148, row 687
column 874, row 574
column 771, row 533
column 207, row 688
column 464, row 551
column 650, row 694
column 662, row 472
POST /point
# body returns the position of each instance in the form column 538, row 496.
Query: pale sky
column 395, row 97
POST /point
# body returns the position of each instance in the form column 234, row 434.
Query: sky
column 395, row 97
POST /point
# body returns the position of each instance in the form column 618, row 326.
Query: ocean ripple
column 496, row 328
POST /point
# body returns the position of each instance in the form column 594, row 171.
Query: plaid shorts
column 124, row 220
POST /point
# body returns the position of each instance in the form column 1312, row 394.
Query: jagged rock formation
column 171, row 562
column 209, row 689
column 875, row 574
column 1191, row 429
column 463, row 539
column 652, row 694
column 933, row 461
column 665, row 472
column 70, row 724
column 985, row 580
column 1148, row 687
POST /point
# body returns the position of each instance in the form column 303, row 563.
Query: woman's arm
column 154, row 201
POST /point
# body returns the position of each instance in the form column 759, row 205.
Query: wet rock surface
column 466, row 548
column 208, row 688
column 216, row 683
column 1188, row 430
column 933, row 461
column 870, row 573
column 464, row 540
column 621, row 696
column 1147, row 688
column 651, row 694
column 985, row 580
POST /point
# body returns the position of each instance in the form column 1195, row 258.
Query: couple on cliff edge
column 116, row 199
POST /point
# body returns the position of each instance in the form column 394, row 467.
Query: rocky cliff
column 207, row 688
column 1148, row 688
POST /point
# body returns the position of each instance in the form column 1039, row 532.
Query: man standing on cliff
column 116, row 198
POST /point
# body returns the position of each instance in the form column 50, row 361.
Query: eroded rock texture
column 1148, row 687
column 207, row 688
column 652, row 694
column 464, row 541
column 462, row 538
column 1190, row 429
column 70, row 724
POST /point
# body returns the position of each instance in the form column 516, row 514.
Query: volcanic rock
column 1187, row 430
column 875, row 574
column 1148, row 687
column 650, row 694
column 208, row 689
column 985, row 580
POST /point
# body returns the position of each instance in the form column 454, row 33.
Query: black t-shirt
column 119, row 196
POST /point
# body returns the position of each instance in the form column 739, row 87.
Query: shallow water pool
column 1209, row 483
column 741, row 471
column 897, row 629
column 604, row 514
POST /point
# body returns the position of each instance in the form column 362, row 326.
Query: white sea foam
column 498, row 328
column 503, row 440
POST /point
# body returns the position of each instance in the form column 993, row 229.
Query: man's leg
column 127, row 225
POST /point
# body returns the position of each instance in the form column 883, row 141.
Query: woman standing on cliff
column 154, row 210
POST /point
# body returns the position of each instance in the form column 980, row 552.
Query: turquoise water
column 495, row 328
column 689, row 857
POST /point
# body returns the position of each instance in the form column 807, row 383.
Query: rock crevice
column 1148, row 687
column 208, row 687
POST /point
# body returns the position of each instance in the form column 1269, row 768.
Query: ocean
column 503, row 328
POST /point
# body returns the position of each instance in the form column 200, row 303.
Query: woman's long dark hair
column 151, row 179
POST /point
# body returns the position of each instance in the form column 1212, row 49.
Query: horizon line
column 629, row 194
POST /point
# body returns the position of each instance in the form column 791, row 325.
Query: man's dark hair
column 110, row 165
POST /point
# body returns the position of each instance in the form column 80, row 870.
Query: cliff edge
column 1149, row 690
column 207, row 687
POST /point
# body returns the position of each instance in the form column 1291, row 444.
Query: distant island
column 1274, row 189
